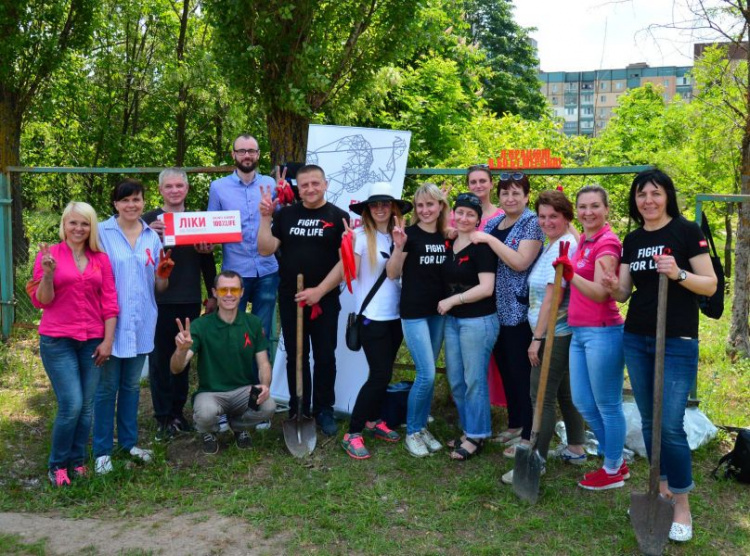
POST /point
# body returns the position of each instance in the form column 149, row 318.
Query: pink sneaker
column 601, row 480
column 59, row 477
column 624, row 471
column 380, row 430
column 355, row 446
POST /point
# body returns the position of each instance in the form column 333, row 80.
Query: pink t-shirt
column 83, row 301
column 582, row 310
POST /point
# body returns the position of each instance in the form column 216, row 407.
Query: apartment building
column 585, row 99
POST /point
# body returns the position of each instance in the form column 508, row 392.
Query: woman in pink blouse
column 74, row 285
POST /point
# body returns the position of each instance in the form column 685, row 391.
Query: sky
column 582, row 35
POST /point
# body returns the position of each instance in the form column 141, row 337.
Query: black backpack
column 736, row 464
column 713, row 306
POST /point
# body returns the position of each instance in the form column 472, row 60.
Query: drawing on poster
column 359, row 162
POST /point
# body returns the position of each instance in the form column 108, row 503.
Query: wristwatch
column 682, row 275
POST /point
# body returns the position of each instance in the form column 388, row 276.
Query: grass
column 390, row 504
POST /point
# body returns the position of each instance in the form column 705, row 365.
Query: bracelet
column 535, row 339
column 461, row 298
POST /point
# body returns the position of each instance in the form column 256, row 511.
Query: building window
column 603, row 98
column 602, row 111
column 587, row 110
column 666, row 83
column 587, row 98
column 602, row 85
column 587, row 86
column 600, row 124
column 570, row 111
column 618, row 85
column 570, row 126
column 554, row 100
column 554, row 88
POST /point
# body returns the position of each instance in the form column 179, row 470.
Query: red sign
column 524, row 159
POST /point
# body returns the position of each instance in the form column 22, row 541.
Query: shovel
column 650, row 514
column 299, row 432
column 529, row 464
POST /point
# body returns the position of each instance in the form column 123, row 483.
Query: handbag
column 713, row 306
column 737, row 462
column 354, row 320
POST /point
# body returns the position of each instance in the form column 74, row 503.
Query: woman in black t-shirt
column 666, row 243
column 418, row 254
column 471, row 326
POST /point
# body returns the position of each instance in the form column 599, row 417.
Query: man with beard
column 241, row 191
column 182, row 300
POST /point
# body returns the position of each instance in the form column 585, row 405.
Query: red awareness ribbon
column 347, row 261
column 150, row 260
column 247, row 341
column 315, row 310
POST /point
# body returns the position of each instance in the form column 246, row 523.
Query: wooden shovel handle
column 547, row 354
column 300, row 287
column 661, row 333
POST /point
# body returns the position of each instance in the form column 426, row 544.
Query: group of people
column 472, row 276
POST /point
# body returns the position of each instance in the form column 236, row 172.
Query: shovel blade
column 526, row 472
column 300, row 436
column 651, row 517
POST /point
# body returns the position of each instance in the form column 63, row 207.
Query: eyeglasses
column 508, row 176
column 380, row 204
column 242, row 152
column 229, row 291
column 469, row 198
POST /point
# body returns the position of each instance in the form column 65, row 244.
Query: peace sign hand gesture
column 398, row 233
column 183, row 340
column 610, row 281
column 48, row 261
column 267, row 202
column 166, row 265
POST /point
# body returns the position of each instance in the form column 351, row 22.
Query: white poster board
column 353, row 158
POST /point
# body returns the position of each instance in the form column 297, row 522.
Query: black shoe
column 210, row 443
column 327, row 423
column 165, row 432
column 243, row 440
column 181, row 425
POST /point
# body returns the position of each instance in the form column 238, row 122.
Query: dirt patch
column 164, row 533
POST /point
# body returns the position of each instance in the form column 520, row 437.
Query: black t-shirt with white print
column 681, row 239
column 421, row 284
column 461, row 273
column 310, row 241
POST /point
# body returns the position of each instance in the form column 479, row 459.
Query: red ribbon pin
column 150, row 260
column 247, row 341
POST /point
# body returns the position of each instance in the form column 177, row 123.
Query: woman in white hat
column 380, row 333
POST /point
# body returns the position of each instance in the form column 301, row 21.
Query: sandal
column 507, row 436
column 455, row 442
column 460, row 453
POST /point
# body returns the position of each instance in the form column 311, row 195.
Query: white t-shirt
column 384, row 305
column 543, row 274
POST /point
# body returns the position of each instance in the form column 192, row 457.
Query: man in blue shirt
column 241, row 191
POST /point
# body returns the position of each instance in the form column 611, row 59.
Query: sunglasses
column 380, row 204
column 514, row 176
column 235, row 291
column 469, row 198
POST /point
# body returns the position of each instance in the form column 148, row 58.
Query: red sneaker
column 601, row 480
column 624, row 471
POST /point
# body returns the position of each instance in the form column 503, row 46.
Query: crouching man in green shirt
column 227, row 342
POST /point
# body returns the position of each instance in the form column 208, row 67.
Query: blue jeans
column 70, row 368
column 680, row 370
column 468, row 344
column 260, row 291
column 423, row 338
column 119, row 385
column 596, row 375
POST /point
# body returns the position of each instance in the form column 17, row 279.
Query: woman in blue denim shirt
column 516, row 239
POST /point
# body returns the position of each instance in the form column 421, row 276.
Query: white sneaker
column 103, row 465
column 415, row 445
column 508, row 477
column 141, row 454
column 223, row 423
column 432, row 443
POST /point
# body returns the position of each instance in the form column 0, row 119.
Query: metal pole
column 6, row 258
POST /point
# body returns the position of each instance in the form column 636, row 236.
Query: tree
column 730, row 19
column 37, row 35
column 513, row 87
column 299, row 57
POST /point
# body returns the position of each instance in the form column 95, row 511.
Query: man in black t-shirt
column 307, row 237
column 182, row 300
